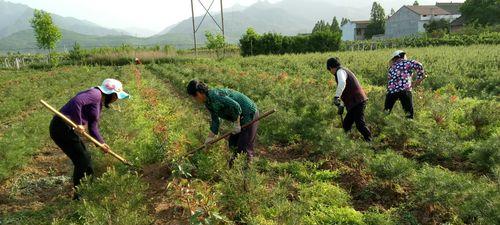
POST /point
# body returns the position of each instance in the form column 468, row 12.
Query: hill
column 289, row 17
column 24, row 41
column 15, row 18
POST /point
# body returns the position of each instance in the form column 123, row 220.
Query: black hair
column 195, row 86
column 108, row 99
column 333, row 63
column 395, row 58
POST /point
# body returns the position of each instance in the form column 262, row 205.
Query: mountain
column 24, row 41
column 324, row 10
column 15, row 17
column 236, row 7
column 167, row 29
column 139, row 32
column 289, row 17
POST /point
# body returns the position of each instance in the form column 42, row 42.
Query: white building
column 354, row 30
column 410, row 19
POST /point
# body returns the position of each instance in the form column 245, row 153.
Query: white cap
column 397, row 53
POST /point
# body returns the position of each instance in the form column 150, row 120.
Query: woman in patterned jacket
column 399, row 85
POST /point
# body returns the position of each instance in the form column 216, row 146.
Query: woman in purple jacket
column 84, row 109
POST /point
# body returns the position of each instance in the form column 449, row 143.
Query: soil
column 44, row 181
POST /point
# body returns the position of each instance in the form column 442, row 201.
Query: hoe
column 93, row 140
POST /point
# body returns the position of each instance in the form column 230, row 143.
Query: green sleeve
column 214, row 126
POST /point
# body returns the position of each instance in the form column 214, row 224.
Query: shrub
column 334, row 216
column 113, row 199
column 243, row 191
column 391, row 166
column 455, row 196
column 76, row 54
column 319, row 194
column 486, row 155
column 374, row 217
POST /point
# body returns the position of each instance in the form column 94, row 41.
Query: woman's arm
column 419, row 69
column 94, row 124
column 215, row 124
column 341, row 79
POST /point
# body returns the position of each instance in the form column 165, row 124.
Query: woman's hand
column 210, row 138
column 416, row 83
column 80, row 129
column 236, row 127
column 105, row 148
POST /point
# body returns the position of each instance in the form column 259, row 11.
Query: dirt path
column 156, row 175
column 43, row 182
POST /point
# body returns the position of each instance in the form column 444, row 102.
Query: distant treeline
column 449, row 39
column 270, row 43
column 253, row 43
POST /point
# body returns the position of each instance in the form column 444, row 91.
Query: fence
column 20, row 61
column 452, row 40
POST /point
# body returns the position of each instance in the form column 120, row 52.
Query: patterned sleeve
column 419, row 69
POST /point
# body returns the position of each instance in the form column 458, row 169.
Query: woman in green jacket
column 230, row 105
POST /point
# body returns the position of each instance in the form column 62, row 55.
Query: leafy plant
column 46, row 32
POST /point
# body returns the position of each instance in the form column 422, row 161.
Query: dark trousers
column 406, row 99
column 357, row 115
column 244, row 142
column 72, row 145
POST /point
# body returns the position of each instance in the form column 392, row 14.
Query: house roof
column 459, row 21
column 427, row 10
column 453, row 8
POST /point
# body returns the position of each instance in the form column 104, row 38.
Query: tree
column 344, row 21
column 416, row 3
column 46, row 32
column 335, row 26
column 435, row 25
column 215, row 42
column 377, row 21
column 249, row 43
column 324, row 41
column 482, row 12
column 393, row 11
column 76, row 53
column 437, row 28
column 321, row 26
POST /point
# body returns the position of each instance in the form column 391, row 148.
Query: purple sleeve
column 77, row 111
column 419, row 68
column 94, row 123
column 78, row 102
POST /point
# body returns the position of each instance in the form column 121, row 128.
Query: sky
column 156, row 15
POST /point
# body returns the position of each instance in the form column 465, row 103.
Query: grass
column 439, row 168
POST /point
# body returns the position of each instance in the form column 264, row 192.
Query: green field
column 443, row 167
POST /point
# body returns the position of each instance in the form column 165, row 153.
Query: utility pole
column 207, row 12
column 194, row 29
column 222, row 18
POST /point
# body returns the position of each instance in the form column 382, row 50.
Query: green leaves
column 46, row 32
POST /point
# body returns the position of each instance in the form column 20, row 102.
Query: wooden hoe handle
column 92, row 139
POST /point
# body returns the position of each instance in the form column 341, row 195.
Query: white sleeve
column 341, row 78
